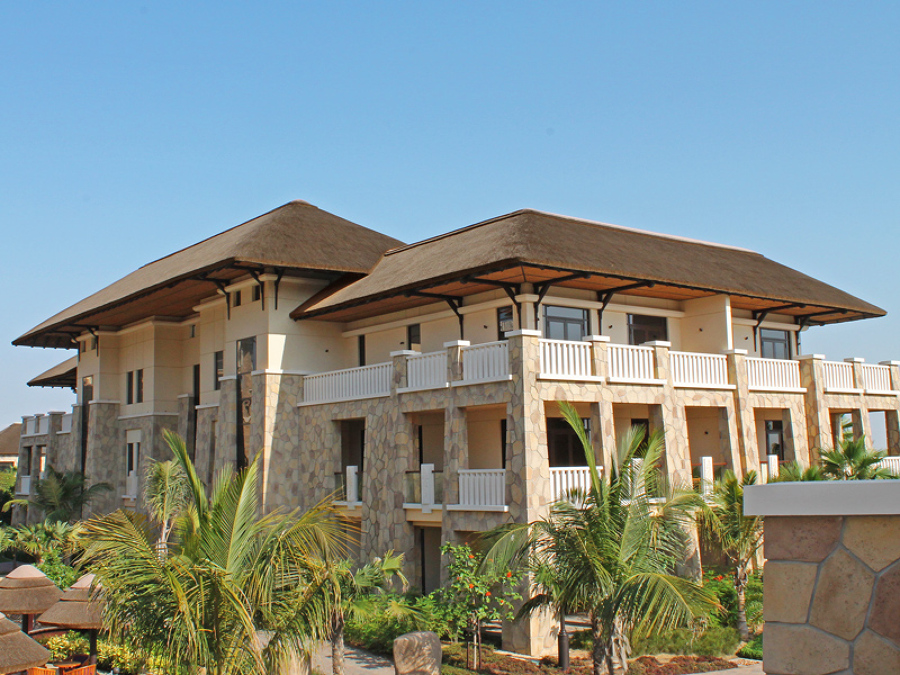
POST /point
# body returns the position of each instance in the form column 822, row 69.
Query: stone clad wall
column 832, row 582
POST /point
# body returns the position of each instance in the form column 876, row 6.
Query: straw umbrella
column 17, row 650
column 27, row 591
column 78, row 609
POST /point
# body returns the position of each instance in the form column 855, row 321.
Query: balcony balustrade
column 773, row 374
column 347, row 486
column 481, row 490
column 132, row 484
column 350, row 383
column 427, row 371
column 892, row 464
column 24, row 486
column 839, row 375
column 566, row 359
column 628, row 363
column 876, row 378
column 566, row 479
column 66, row 424
column 424, row 488
column 691, row 369
column 485, row 362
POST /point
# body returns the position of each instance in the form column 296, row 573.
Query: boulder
column 417, row 654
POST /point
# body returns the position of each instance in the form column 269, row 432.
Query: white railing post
column 707, row 477
column 485, row 362
column 763, row 474
column 352, row 484
column 427, row 478
column 482, row 487
column 772, row 461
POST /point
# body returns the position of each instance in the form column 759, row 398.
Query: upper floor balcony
column 595, row 360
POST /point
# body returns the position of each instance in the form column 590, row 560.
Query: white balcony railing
column 892, row 464
column 43, row 424
column 29, row 426
column 690, row 369
column 351, row 383
column 565, row 479
column 24, row 485
column 348, row 486
column 565, row 359
column 627, row 362
column 486, row 362
column 132, row 484
column 427, row 371
column 876, row 378
column 66, row 426
column 424, row 488
column 838, row 375
column 773, row 374
column 482, row 488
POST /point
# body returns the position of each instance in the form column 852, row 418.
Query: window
column 132, row 461
column 565, row 323
column 134, row 386
column 218, row 369
column 193, row 330
column 131, row 457
column 563, row 445
column 774, row 344
column 196, row 383
column 642, row 328
column 504, row 322
column 94, row 343
column 361, row 350
column 414, row 337
column 775, row 439
column 237, row 299
column 257, row 293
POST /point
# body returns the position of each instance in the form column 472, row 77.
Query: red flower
column 488, row 593
column 508, row 575
column 471, row 557
column 471, row 585
column 719, row 578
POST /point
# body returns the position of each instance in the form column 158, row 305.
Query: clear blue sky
column 131, row 129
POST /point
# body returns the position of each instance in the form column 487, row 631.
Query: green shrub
column 713, row 641
column 378, row 632
column 57, row 571
column 753, row 649
column 723, row 587
column 109, row 655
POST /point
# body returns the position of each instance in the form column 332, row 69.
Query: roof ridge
column 438, row 237
column 218, row 234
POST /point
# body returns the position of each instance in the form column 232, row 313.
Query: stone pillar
column 599, row 349
column 105, row 455
column 187, row 422
column 454, row 359
column 793, row 425
column 892, row 422
column 400, row 379
column 671, row 419
column 818, row 420
column 227, row 426
column 262, row 425
column 603, row 433
column 745, row 420
column 72, row 460
column 862, row 427
column 660, row 358
column 895, row 373
column 526, row 301
column 53, row 441
column 528, row 474
column 729, row 440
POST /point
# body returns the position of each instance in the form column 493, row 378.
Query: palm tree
column 61, row 496
column 852, row 460
column 795, row 472
column 166, row 491
column 228, row 581
column 739, row 536
column 612, row 557
column 42, row 539
column 354, row 591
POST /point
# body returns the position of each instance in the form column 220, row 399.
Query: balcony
column 348, row 384
column 564, row 359
column 699, row 371
column 485, row 362
column 426, row 371
column 347, row 487
column 564, row 480
column 132, row 485
column 481, row 490
column 779, row 375
column 423, row 490
column 892, row 464
column 841, row 377
column 66, row 424
column 24, row 488
column 628, row 363
column 29, row 426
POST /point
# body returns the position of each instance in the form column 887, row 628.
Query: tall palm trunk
column 562, row 642
column 599, row 654
column 337, row 643
column 740, row 588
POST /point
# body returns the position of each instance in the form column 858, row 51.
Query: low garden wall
column 832, row 576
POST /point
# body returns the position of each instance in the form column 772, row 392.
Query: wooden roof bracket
column 760, row 316
column 279, row 272
column 455, row 303
column 604, row 297
column 221, row 285
column 93, row 331
column 543, row 288
column 262, row 288
column 512, row 290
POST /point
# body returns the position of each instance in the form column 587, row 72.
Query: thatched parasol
column 27, row 591
column 78, row 609
column 17, row 650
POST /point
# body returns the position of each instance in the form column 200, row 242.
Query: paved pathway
column 356, row 662
column 755, row 669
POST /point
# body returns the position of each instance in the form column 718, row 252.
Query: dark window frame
column 414, row 337
column 218, row 369
column 639, row 324
column 567, row 323
column 767, row 339
column 501, row 334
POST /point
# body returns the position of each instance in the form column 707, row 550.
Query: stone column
column 526, row 301
column 862, row 427
column 747, row 446
column 400, row 378
column 187, row 422
column 72, row 460
column 660, row 358
column 454, row 359
column 105, row 455
column 456, row 457
column 670, row 418
column 262, row 426
column 599, row 349
column 53, row 441
column 528, row 473
column 892, row 422
column 895, row 373
column 818, row 420
column 793, row 425
column 227, row 426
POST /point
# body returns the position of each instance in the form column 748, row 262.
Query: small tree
column 794, row 472
column 477, row 592
column 42, row 540
column 739, row 536
column 166, row 489
column 61, row 495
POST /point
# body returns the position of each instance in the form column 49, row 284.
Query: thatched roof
column 27, row 590
column 297, row 238
column 533, row 246
column 9, row 440
column 63, row 374
column 17, row 650
column 79, row 608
